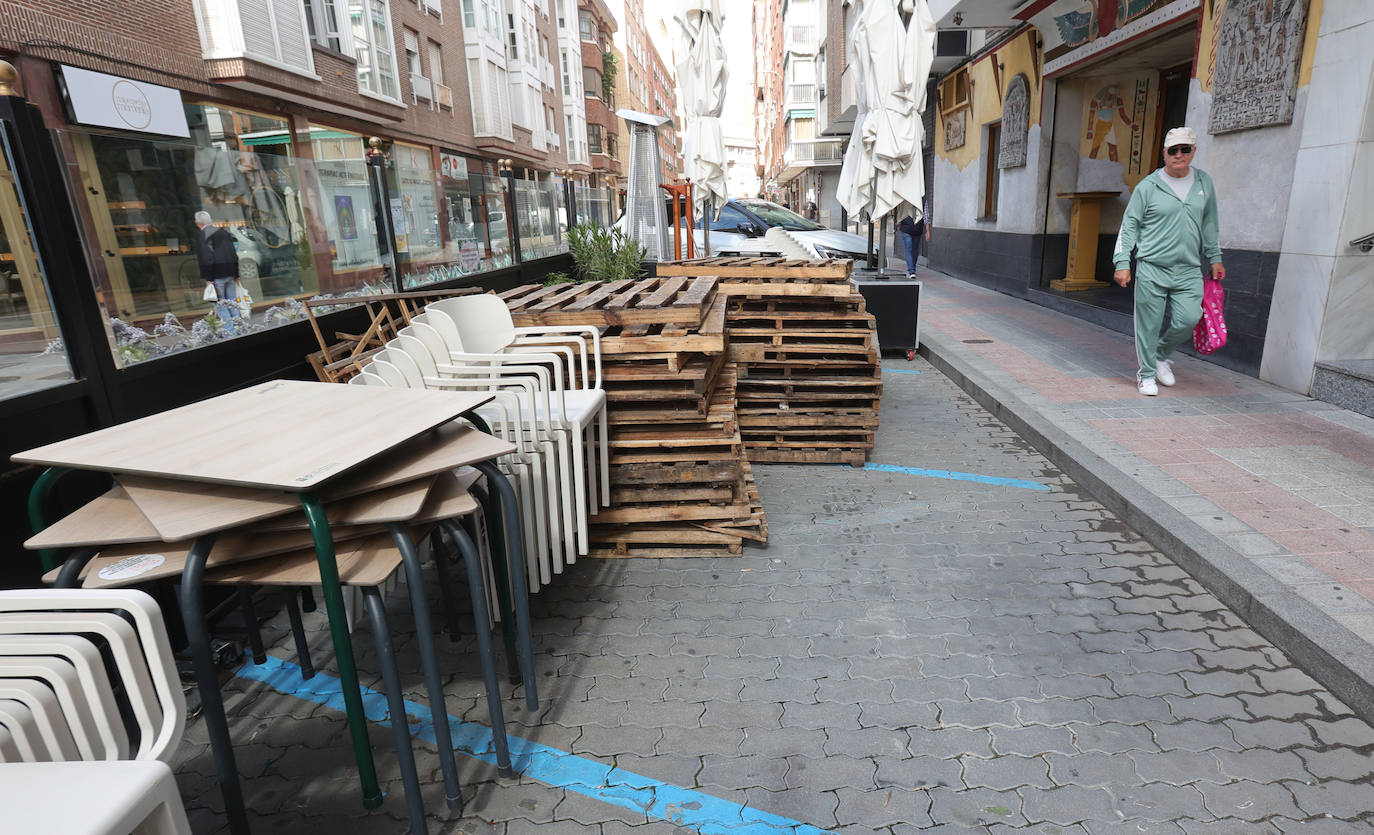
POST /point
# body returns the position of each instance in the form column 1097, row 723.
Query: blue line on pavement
column 955, row 476
column 560, row 769
column 887, row 370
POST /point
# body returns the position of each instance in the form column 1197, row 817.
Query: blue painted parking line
column 957, row 476
column 560, row 769
column 887, row 370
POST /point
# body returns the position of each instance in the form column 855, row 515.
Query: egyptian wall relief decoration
column 1015, row 123
column 1258, row 51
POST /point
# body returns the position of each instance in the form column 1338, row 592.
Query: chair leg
column 429, row 659
column 472, row 561
column 293, row 614
column 70, row 574
column 400, row 728
column 605, row 455
column 250, row 623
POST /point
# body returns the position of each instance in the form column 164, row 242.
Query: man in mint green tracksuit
column 1170, row 220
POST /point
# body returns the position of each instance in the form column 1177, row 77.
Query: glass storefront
column 348, row 215
column 415, row 207
column 30, row 355
column 474, row 220
column 542, row 216
column 144, row 194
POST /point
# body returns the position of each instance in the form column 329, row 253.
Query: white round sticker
column 131, row 566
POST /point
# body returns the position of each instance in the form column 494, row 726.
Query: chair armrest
column 593, row 332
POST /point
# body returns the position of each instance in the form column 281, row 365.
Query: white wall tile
column 1295, row 320
column 1321, row 179
column 1348, row 328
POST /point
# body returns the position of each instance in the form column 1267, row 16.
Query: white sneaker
column 1147, row 387
column 1164, row 372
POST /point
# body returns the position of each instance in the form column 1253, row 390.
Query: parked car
column 740, row 227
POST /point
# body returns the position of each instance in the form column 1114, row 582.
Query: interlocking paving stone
column 959, row 658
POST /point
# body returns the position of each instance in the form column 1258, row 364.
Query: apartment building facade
column 600, row 64
column 646, row 83
column 769, row 131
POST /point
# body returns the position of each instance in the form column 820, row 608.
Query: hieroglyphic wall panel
column 1259, row 47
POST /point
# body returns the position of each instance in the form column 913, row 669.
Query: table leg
column 250, row 623
column 70, row 574
column 293, row 614
column 429, row 658
column 519, row 587
column 400, row 726
column 481, row 619
column 343, row 648
column 216, row 725
column 39, row 495
column 491, row 512
column 441, row 568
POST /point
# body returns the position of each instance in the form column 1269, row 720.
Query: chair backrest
column 131, row 623
column 442, row 324
column 112, row 742
column 382, row 366
column 416, row 351
column 483, row 320
column 57, row 675
column 402, row 361
column 48, row 716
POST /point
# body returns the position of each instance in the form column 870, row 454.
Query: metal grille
column 645, row 215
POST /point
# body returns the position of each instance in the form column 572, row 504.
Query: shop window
column 539, row 207
column 144, row 193
column 992, row 172
column 476, row 236
column 323, row 17
column 28, row 329
column 374, row 47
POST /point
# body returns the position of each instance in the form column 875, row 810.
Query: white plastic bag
column 209, row 295
column 243, row 300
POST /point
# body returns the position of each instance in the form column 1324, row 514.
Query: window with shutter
column 479, row 101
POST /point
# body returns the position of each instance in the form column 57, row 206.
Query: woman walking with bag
column 1170, row 219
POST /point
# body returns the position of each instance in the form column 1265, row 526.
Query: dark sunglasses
column 1179, row 149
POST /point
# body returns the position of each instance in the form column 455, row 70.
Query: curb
column 1321, row 646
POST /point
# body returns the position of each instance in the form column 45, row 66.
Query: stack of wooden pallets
column 680, row 482
column 806, row 353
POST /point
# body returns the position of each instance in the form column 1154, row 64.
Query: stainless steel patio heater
column 646, row 218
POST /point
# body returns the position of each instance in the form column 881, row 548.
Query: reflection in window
column 30, row 355
column 143, row 195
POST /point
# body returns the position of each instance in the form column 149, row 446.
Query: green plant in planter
column 601, row 254
column 557, row 278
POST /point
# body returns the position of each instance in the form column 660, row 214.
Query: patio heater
column 646, row 220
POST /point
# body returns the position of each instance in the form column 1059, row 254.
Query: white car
column 740, row 228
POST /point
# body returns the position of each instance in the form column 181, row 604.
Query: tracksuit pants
column 1181, row 287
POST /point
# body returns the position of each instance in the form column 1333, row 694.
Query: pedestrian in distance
column 219, row 264
column 1170, row 224
column 912, row 230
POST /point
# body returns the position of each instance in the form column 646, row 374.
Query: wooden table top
column 297, row 435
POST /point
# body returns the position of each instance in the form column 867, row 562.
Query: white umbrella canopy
column 701, row 79
column 882, row 167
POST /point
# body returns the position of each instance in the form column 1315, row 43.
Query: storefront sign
column 469, row 258
column 113, row 102
column 454, row 166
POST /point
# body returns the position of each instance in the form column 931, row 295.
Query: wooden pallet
column 774, row 269
column 852, row 457
column 708, row 337
column 649, row 301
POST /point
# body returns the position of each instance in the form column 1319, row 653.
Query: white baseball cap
column 1180, row 136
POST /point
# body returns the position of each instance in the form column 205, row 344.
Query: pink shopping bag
column 1210, row 334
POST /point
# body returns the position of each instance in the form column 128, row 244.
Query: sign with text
column 113, row 102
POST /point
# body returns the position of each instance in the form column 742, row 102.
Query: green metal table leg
column 343, row 648
column 38, row 510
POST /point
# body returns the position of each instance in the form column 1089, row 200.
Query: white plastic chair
column 110, row 740
column 48, row 718
column 59, row 678
column 535, row 445
column 92, row 798
column 479, row 336
column 18, row 722
column 142, row 654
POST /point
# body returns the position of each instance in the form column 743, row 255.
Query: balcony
column 422, row 89
column 443, row 95
column 800, row 37
column 801, row 154
column 801, row 95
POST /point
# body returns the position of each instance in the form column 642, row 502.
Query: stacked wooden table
column 806, row 352
column 680, row 482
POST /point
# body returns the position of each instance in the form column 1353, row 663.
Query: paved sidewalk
column 1264, row 495
column 956, row 640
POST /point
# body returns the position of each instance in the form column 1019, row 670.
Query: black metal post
column 377, row 162
column 872, row 254
column 512, row 222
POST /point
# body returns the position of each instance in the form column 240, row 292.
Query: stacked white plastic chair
column 60, row 727
column 483, row 341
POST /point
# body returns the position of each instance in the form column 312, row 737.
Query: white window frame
column 323, row 17
column 371, row 56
